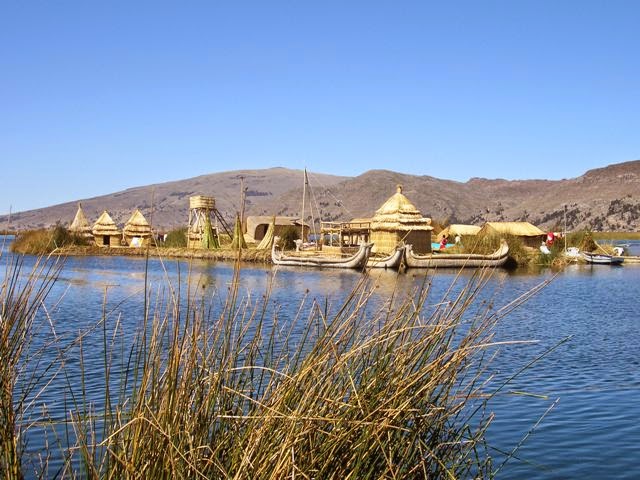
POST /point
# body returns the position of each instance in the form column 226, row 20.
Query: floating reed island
column 396, row 228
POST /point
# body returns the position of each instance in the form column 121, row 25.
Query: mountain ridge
column 605, row 198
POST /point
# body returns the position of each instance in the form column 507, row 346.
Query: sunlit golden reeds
column 236, row 387
column 21, row 296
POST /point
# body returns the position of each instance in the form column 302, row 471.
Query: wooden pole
column 304, row 194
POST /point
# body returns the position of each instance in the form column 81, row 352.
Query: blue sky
column 97, row 97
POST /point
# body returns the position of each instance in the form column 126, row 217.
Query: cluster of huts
column 397, row 221
column 105, row 233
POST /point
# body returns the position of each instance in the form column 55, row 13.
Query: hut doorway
column 261, row 231
column 106, row 240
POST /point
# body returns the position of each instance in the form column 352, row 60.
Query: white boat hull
column 602, row 259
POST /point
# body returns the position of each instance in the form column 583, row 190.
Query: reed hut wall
column 142, row 242
column 105, row 232
column 108, row 240
column 420, row 240
column 383, row 241
column 256, row 226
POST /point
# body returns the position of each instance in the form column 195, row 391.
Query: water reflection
column 593, row 431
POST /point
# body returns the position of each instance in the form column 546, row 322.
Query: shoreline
column 244, row 255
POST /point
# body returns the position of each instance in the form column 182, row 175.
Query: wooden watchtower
column 200, row 209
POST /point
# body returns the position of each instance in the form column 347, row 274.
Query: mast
column 243, row 199
column 565, row 227
column 304, row 194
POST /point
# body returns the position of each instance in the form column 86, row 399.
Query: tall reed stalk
column 360, row 392
column 236, row 389
column 21, row 295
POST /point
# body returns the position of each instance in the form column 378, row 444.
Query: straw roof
column 459, row 229
column 105, row 225
column 398, row 213
column 137, row 225
column 518, row 229
column 80, row 224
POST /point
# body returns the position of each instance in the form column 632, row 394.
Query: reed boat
column 357, row 260
column 458, row 260
column 602, row 259
column 631, row 259
column 391, row 261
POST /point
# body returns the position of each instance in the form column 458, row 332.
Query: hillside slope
column 602, row 199
column 166, row 205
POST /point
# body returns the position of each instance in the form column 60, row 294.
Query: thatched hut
column 80, row 225
column 458, row 229
column 258, row 225
column 137, row 231
column 530, row 235
column 398, row 220
column 105, row 231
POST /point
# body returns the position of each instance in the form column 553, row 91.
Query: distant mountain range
column 602, row 199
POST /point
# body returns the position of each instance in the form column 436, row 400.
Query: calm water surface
column 592, row 380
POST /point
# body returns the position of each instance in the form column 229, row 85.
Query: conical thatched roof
column 238, row 238
column 209, row 240
column 105, row 225
column 80, row 224
column 398, row 213
column 137, row 226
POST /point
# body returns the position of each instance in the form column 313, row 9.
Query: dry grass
column 45, row 241
column 20, row 300
column 365, row 391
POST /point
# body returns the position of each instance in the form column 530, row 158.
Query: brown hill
column 166, row 205
column 601, row 199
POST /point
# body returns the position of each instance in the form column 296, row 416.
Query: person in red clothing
column 550, row 239
column 443, row 242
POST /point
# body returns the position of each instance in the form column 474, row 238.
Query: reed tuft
column 355, row 393
column 235, row 389
column 20, row 298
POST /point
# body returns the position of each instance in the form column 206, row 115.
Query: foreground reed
column 367, row 390
column 20, row 299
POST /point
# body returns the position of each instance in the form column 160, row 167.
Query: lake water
column 592, row 379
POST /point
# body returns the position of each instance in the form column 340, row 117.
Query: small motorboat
column 602, row 259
